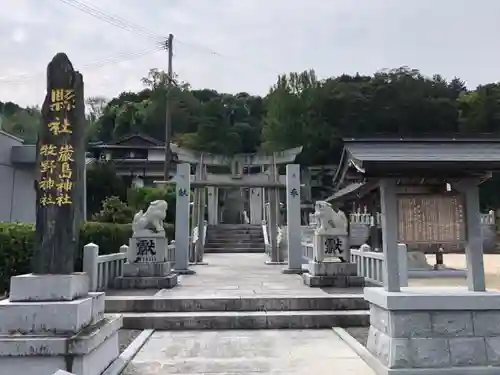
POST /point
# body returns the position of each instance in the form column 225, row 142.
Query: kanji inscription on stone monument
column 333, row 245
column 60, row 163
column 146, row 249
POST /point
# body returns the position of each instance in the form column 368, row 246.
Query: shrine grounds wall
column 17, row 239
column 16, row 185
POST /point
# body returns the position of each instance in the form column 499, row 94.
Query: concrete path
column 238, row 275
column 244, row 275
column 265, row 352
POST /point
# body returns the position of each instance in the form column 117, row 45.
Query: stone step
column 234, row 233
column 139, row 304
column 250, row 237
column 246, row 320
column 228, row 250
column 234, row 226
column 237, row 244
column 232, row 240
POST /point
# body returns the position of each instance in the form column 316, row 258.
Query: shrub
column 140, row 198
column 103, row 182
column 114, row 211
column 17, row 242
column 16, row 247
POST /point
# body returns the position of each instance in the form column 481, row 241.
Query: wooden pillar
column 389, row 211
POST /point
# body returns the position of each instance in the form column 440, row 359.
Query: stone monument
column 147, row 264
column 331, row 250
column 51, row 322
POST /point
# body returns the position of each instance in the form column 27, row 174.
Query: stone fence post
column 90, row 254
column 124, row 249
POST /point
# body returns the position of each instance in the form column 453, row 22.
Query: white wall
column 17, row 188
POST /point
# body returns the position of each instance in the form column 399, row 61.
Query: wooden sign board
column 431, row 219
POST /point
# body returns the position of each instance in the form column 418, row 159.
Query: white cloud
column 253, row 41
column 19, row 35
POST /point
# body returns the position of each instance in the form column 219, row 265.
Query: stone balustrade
column 103, row 269
column 370, row 265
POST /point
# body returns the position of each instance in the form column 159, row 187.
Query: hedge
column 17, row 239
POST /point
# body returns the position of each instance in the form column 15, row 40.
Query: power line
column 215, row 53
column 123, row 57
column 112, row 19
column 120, row 22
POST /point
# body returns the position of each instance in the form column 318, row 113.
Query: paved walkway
column 238, row 275
column 244, row 275
column 277, row 352
column 265, row 352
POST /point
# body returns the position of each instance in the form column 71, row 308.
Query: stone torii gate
column 267, row 180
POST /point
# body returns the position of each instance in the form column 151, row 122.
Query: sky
column 242, row 45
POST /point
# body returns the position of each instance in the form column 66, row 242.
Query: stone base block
column 292, row 271
column 434, row 330
column 338, row 281
column 88, row 353
column 151, row 282
column 58, row 317
column 30, row 287
column 147, row 269
column 186, row 271
column 273, row 263
column 332, row 269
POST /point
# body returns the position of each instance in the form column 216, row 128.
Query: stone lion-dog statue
column 329, row 221
column 150, row 221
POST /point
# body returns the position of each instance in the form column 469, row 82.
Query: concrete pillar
column 389, row 211
column 293, row 218
column 200, row 216
column 273, row 225
column 213, row 205
column 200, row 245
column 182, row 219
column 256, row 205
column 474, row 249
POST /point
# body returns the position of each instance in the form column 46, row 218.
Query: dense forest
column 299, row 109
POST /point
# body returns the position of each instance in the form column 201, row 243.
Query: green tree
column 102, row 183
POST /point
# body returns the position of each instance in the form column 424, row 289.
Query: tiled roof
column 424, row 150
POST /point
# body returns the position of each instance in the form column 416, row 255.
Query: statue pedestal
column 326, row 267
column 53, row 322
column 147, row 266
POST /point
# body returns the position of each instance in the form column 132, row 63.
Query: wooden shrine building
column 427, row 192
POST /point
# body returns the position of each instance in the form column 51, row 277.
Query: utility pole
column 169, row 45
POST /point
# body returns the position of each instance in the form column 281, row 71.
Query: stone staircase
column 208, row 313
column 234, row 238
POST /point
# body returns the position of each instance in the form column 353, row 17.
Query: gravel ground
column 359, row 333
column 126, row 336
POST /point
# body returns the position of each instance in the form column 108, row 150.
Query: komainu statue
column 151, row 221
column 329, row 221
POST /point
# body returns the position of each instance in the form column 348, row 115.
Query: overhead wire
column 123, row 57
column 112, row 19
column 119, row 22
